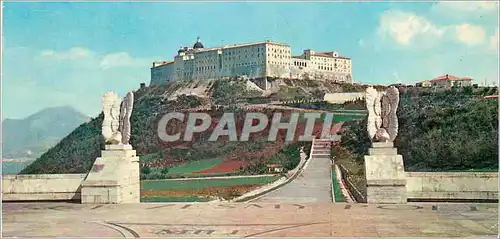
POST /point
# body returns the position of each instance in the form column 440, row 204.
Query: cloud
column 465, row 9
column 460, row 47
column 470, row 34
column 81, row 57
column 494, row 41
column 72, row 54
column 410, row 29
column 121, row 59
column 405, row 27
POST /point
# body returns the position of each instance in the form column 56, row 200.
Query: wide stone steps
column 321, row 146
column 322, row 156
column 321, row 149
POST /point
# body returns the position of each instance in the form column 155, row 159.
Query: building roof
column 161, row 63
column 276, row 165
column 329, row 54
column 450, row 77
column 239, row 45
column 322, row 54
column 198, row 44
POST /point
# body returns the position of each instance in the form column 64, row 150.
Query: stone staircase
column 321, row 148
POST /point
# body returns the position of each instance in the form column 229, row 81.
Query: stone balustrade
column 451, row 186
column 42, row 187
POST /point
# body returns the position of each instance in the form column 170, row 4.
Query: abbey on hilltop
column 253, row 60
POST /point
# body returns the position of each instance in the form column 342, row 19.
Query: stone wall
column 162, row 74
column 114, row 178
column 340, row 98
column 451, row 185
column 42, row 187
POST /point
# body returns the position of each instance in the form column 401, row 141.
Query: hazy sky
column 71, row 53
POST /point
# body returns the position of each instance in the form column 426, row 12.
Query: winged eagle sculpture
column 116, row 123
column 382, row 119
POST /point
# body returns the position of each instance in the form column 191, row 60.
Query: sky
column 59, row 54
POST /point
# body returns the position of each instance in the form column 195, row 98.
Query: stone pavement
column 312, row 185
column 248, row 220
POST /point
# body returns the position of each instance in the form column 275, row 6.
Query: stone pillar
column 385, row 175
column 114, row 177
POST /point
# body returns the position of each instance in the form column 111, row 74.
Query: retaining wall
column 41, row 187
column 340, row 98
column 451, row 186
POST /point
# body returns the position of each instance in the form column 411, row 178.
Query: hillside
column 452, row 130
column 35, row 134
column 443, row 130
column 76, row 152
column 228, row 90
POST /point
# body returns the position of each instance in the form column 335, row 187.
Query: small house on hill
column 425, row 84
column 275, row 168
column 448, row 81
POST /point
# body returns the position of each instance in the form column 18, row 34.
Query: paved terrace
column 248, row 220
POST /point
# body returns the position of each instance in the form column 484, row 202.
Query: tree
column 164, row 170
column 145, row 170
column 467, row 90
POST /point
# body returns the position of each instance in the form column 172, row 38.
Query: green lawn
column 191, row 167
column 350, row 111
column 337, row 192
column 342, row 118
column 203, row 183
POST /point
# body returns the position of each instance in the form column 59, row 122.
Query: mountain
column 32, row 136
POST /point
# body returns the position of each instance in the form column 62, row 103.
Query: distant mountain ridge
column 35, row 134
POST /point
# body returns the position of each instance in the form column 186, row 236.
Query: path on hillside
column 282, row 107
column 312, row 185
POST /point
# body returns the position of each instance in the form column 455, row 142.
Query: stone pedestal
column 114, row 177
column 385, row 175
